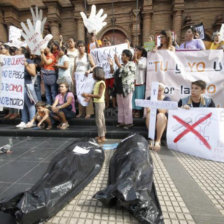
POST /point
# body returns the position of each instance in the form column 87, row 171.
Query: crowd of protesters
column 54, row 73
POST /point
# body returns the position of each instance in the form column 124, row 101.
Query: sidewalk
column 190, row 190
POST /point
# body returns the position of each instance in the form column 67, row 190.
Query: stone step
column 74, row 130
column 84, row 122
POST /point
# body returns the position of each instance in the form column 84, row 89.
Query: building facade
column 132, row 19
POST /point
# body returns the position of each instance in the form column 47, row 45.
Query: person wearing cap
column 161, row 119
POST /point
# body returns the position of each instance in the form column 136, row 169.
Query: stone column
column 177, row 22
column 135, row 27
column 3, row 30
column 147, row 17
column 55, row 31
column 80, row 29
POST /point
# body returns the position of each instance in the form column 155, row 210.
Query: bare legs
column 161, row 122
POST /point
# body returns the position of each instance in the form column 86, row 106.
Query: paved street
column 190, row 190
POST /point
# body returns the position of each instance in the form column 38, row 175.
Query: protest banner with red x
column 191, row 128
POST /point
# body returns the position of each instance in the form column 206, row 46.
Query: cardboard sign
column 200, row 29
column 14, row 33
column 149, row 45
column 198, row 132
column 84, row 84
column 222, row 32
column 101, row 55
column 12, row 82
column 178, row 69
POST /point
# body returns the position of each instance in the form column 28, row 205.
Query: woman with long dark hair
column 83, row 66
column 28, row 111
column 140, row 76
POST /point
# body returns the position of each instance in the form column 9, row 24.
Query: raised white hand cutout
column 38, row 15
column 34, row 38
column 95, row 22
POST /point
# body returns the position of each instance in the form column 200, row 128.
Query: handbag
column 31, row 93
column 49, row 77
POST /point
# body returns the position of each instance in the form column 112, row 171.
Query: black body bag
column 130, row 183
column 68, row 173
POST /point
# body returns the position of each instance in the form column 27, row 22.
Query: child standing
column 99, row 100
column 42, row 116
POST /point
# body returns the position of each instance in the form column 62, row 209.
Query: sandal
column 103, row 139
column 87, row 116
column 157, row 146
column 151, row 144
column 59, row 126
column 79, row 115
column 64, row 126
column 49, row 127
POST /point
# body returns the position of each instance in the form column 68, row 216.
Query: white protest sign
column 33, row 37
column 95, row 22
column 154, row 104
column 12, row 85
column 222, row 32
column 38, row 16
column 178, row 69
column 198, row 132
column 200, row 30
column 84, row 84
column 101, row 55
column 14, row 33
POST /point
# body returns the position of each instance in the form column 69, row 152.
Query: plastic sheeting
column 68, row 173
column 130, row 183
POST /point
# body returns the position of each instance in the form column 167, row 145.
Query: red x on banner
column 190, row 128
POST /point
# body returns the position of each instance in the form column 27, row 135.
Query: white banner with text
column 84, row 84
column 178, row 69
column 101, row 56
column 12, row 81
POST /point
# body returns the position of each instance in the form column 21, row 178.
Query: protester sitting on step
column 63, row 107
column 99, row 101
column 161, row 119
column 191, row 43
column 42, row 117
column 196, row 99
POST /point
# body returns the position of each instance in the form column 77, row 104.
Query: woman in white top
column 63, row 68
column 72, row 53
column 83, row 66
column 140, row 76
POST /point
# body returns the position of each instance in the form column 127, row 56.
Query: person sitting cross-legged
column 161, row 119
column 196, row 99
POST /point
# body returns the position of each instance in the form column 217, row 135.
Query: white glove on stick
column 95, row 22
